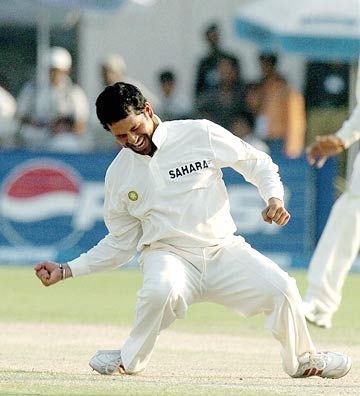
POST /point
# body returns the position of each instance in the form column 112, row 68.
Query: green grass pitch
column 108, row 299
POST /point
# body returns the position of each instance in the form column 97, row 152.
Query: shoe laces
column 119, row 366
column 316, row 360
column 319, row 360
column 111, row 366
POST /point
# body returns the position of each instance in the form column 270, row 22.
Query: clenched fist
column 276, row 212
column 49, row 272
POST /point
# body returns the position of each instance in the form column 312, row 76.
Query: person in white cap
column 165, row 197
column 114, row 69
column 54, row 118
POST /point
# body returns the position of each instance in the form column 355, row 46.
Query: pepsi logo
column 39, row 200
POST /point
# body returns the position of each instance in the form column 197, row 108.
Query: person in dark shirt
column 207, row 75
column 224, row 102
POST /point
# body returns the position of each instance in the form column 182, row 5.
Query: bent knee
column 159, row 294
column 288, row 289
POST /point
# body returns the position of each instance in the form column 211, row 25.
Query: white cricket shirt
column 177, row 196
column 350, row 131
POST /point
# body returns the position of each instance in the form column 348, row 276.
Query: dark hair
column 268, row 58
column 167, row 76
column 247, row 117
column 117, row 101
column 213, row 27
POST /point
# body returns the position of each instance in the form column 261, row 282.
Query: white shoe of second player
column 317, row 317
column 323, row 364
column 107, row 362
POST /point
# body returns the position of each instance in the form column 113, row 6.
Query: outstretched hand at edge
column 322, row 148
column 48, row 272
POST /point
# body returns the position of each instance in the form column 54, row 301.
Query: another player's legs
column 170, row 285
column 335, row 253
column 241, row 278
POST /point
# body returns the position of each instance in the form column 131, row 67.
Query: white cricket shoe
column 317, row 317
column 107, row 362
column 323, row 364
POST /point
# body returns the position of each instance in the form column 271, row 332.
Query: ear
column 149, row 110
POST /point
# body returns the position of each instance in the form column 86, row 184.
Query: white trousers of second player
column 337, row 248
column 234, row 275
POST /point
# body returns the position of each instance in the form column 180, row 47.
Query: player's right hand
column 48, row 272
column 323, row 147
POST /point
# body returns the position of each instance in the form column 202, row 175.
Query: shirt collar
column 159, row 134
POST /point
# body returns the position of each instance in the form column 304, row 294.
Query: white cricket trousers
column 337, row 248
column 234, row 275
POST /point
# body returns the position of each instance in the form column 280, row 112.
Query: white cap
column 60, row 58
column 114, row 62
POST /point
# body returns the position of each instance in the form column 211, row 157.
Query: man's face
column 111, row 76
column 58, row 76
column 135, row 131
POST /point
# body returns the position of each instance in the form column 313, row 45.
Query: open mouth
column 140, row 145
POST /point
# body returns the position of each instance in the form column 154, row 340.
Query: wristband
column 62, row 269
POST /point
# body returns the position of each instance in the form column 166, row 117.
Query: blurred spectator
column 243, row 127
column 226, row 100
column 207, row 74
column 279, row 110
column 64, row 140
column 112, row 70
column 54, row 118
column 173, row 105
column 253, row 104
column 326, row 97
column 7, row 118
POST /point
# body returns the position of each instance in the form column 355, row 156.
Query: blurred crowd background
column 190, row 61
column 185, row 57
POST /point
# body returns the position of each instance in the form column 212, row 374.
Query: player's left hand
column 276, row 212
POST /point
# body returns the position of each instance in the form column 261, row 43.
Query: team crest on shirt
column 133, row 196
column 186, row 169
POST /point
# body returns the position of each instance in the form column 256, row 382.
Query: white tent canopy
column 316, row 29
